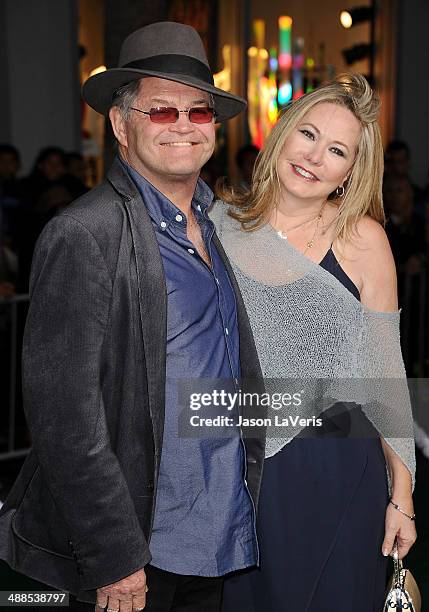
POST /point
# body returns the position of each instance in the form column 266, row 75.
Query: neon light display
column 285, row 60
column 310, row 74
column 276, row 76
column 262, row 86
column 257, row 68
column 285, row 50
column 297, row 68
column 285, row 93
column 273, row 64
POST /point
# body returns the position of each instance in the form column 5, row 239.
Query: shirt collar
column 161, row 210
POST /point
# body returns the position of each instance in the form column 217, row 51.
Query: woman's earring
column 340, row 191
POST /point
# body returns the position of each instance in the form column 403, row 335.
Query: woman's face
column 319, row 153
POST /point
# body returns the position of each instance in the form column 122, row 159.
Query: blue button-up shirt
column 204, row 517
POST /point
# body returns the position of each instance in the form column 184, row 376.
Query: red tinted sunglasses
column 170, row 114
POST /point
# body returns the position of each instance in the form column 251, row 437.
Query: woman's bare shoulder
column 369, row 243
column 369, row 228
column 370, row 249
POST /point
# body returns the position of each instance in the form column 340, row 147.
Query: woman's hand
column 399, row 526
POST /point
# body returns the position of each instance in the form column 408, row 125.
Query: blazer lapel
column 152, row 296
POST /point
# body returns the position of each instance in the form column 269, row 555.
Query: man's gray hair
column 125, row 97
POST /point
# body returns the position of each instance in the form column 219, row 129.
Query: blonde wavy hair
column 363, row 188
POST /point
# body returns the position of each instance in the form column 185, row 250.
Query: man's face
column 165, row 152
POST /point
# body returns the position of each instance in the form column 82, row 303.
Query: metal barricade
column 9, row 309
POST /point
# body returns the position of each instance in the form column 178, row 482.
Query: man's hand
column 126, row 595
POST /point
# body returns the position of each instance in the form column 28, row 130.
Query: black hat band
column 174, row 64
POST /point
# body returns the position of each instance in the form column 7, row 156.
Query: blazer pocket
column 38, row 522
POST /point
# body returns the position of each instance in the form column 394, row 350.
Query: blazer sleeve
column 70, row 295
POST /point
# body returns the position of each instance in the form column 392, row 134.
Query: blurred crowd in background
column 27, row 204
column 59, row 177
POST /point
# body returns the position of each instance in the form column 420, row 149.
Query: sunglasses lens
column 168, row 114
column 201, row 115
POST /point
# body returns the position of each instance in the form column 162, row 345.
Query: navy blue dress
column 321, row 521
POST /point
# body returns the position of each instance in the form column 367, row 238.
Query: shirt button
column 191, row 251
column 163, row 224
column 179, row 218
column 226, row 331
column 198, row 207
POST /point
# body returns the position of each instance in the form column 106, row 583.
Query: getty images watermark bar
column 33, row 599
column 347, row 407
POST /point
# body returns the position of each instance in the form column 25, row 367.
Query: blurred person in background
column 75, row 165
column 406, row 232
column 75, row 177
column 8, row 265
column 245, row 160
column 397, row 162
column 404, row 227
column 10, row 164
column 49, row 167
column 10, row 204
column 46, row 191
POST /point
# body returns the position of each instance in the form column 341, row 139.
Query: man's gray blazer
column 80, row 513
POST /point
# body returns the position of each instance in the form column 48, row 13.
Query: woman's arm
column 379, row 292
column 397, row 524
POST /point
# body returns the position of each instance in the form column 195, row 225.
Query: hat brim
column 98, row 90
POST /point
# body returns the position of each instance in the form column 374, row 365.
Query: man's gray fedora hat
column 168, row 50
